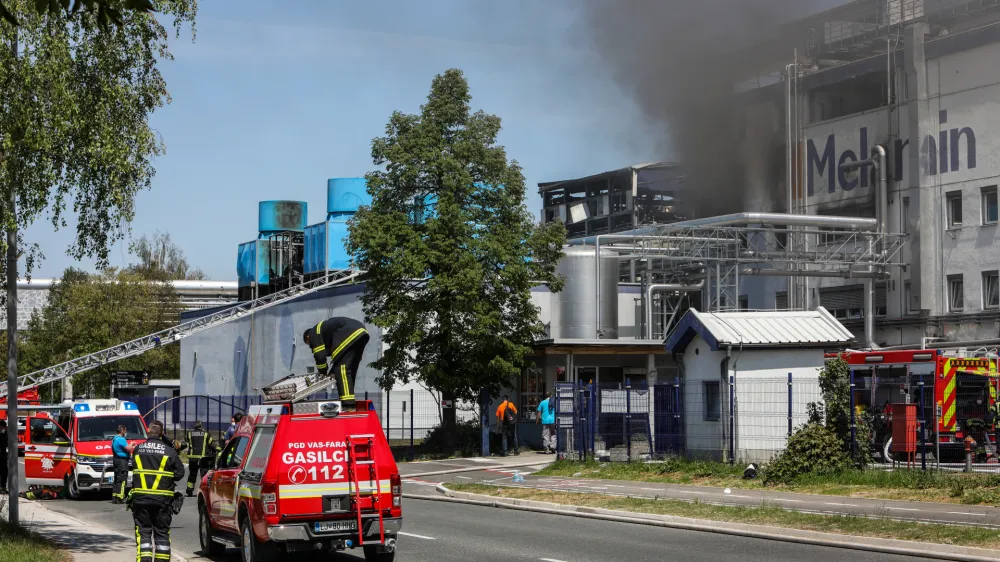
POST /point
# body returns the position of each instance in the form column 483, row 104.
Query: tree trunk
column 12, row 465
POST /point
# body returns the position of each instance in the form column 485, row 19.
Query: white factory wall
column 243, row 355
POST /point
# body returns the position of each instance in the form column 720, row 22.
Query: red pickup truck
column 303, row 477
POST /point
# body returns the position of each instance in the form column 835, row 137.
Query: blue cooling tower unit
column 325, row 242
column 253, row 261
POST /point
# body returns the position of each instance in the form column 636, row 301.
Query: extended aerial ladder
column 176, row 333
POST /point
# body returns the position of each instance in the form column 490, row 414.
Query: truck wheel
column 373, row 555
column 72, row 490
column 251, row 550
column 206, row 532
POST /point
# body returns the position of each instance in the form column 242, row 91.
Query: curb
column 470, row 469
column 905, row 548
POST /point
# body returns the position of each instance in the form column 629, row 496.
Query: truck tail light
column 269, row 497
column 396, row 484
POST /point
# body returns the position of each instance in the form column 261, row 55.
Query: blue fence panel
column 668, row 428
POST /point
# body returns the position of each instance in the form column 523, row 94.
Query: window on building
column 990, row 205
column 905, row 219
column 991, row 289
column 619, row 202
column 744, row 302
column 713, row 401
column 532, row 389
column 956, row 293
column 912, row 301
column 954, row 206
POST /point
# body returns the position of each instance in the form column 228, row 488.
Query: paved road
column 436, row 532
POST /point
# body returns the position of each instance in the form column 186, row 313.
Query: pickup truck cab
column 69, row 444
column 303, row 477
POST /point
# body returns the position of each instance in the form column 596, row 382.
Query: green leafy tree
column 160, row 258
column 450, row 250
column 105, row 11
column 90, row 312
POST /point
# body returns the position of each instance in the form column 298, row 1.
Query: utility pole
column 12, row 466
column 12, row 356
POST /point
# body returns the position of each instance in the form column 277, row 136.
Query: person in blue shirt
column 547, row 417
column 120, row 449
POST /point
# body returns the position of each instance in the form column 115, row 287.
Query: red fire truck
column 27, row 397
column 948, row 386
column 303, row 477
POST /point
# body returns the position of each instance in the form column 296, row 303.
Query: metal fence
column 409, row 417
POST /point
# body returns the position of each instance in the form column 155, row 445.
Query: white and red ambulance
column 303, row 477
column 70, row 444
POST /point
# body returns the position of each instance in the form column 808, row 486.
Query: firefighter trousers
column 344, row 367
column 121, row 476
column 152, row 531
column 196, row 467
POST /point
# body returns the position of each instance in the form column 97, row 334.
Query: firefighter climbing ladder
column 176, row 333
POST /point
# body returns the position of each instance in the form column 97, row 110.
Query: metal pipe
column 784, row 219
column 664, row 287
column 946, row 345
column 789, row 178
column 756, row 271
column 870, row 313
column 878, row 158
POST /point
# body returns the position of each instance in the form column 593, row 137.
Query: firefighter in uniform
column 201, row 450
column 337, row 345
column 156, row 469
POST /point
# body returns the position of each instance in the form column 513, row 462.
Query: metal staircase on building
column 176, row 333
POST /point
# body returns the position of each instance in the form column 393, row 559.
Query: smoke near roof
column 680, row 60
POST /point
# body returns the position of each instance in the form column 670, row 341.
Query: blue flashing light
column 81, row 407
column 371, row 406
column 284, row 410
column 130, row 406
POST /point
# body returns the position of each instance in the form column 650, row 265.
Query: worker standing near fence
column 337, row 345
column 547, row 417
column 201, row 450
column 120, row 451
column 507, row 420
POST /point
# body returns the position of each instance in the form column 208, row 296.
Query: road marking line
column 615, row 486
column 650, row 489
column 903, row 508
column 841, row 504
column 744, row 497
column 964, row 513
column 788, row 500
column 691, row 492
column 415, row 536
column 464, row 477
column 550, row 560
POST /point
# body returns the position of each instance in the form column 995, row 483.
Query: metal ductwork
column 780, row 219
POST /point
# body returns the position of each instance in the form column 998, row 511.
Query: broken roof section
column 762, row 330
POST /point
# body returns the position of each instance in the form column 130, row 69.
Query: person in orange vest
column 507, row 420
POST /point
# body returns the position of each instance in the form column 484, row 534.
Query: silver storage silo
column 574, row 309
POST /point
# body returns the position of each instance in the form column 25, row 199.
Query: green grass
column 916, row 485
column 17, row 544
column 878, row 527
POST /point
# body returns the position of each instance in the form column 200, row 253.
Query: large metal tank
column 574, row 309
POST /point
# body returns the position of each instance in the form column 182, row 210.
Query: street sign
column 130, row 379
column 446, row 404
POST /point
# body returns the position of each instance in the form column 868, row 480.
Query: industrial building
column 917, row 80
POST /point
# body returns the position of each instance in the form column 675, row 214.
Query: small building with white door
column 748, row 376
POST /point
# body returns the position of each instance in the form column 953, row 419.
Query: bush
column 467, row 439
column 812, row 449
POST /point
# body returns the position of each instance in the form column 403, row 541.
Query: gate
column 575, row 412
column 668, row 418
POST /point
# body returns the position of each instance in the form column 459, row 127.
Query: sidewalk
column 85, row 541
column 470, row 464
column 979, row 515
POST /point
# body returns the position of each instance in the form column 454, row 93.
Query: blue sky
column 274, row 98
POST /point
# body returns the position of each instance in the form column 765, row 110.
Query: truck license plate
column 328, row 526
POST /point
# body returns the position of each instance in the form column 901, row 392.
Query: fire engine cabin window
column 232, row 456
column 260, row 449
column 105, row 428
column 991, row 289
column 713, row 401
column 954, row 206
column 956, row 293
column 990, row 205
column 46, row 432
